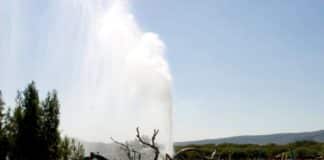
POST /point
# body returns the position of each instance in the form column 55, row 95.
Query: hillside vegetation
column 227, row 151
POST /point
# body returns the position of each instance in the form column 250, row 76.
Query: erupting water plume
column 111, row 75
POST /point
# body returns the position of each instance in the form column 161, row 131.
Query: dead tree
column 178, row 156
column 153, row 145
column 130, row 152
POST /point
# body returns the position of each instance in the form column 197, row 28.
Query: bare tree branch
column 122, row 145
column 128, row 149
column 152, row 145
column 168, row 157
column 191, row 149
column 213, row 155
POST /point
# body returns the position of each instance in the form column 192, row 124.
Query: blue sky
column 241, row 67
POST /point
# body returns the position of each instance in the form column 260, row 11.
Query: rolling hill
column 280, row 138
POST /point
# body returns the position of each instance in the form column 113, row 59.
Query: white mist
column 111, row 76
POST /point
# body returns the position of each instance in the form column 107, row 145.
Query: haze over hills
column 280, row 138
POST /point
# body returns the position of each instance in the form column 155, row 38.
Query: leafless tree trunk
column 151, row 144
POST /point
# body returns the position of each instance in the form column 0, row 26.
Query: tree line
column 30, row 129
column 297, row 150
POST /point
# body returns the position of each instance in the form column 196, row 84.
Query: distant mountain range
column 281, row 138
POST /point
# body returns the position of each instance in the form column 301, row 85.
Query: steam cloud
column 111, row 76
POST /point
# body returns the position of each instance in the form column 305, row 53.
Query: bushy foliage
column 299, row 150
column 30, row 131
column 69, row 149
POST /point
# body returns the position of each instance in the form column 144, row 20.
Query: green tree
column 14, row 128
column 65, row 151
column 71, row 150
column 50, row 130
column 29, row 137
column 77, row 150
column 4, row 147
column 2, row 104
column 31, row 132
column 10, row 131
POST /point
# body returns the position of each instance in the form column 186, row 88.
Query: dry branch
column 151, row 144
column 128, row 149
column 191, row 149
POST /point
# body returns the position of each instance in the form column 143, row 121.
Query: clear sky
column 241, row 67
column 238, row 67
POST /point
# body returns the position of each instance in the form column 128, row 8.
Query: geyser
column 111, row 75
